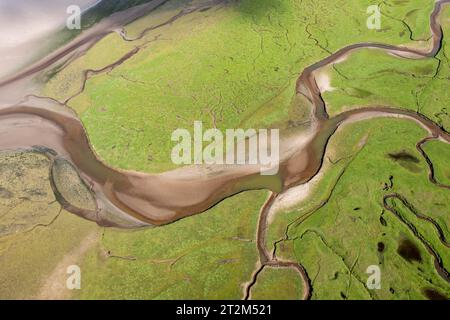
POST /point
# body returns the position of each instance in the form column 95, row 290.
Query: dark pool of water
column 409, row 251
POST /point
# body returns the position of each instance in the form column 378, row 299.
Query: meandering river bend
column 134, row 199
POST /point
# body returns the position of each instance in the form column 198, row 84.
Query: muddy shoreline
column 157, row 199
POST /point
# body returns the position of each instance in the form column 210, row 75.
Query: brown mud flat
column 132, row 199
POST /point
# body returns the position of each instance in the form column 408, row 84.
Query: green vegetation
column 235, row 65
column 208, row 256
column 36, row 235
column 340, row 239
column 372, row 77
column 285, row 282
column 438, row 150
